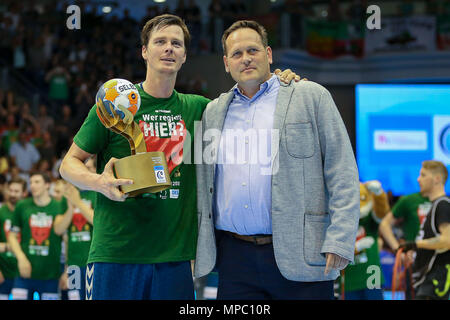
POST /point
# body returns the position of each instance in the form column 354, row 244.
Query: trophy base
column 148, row 170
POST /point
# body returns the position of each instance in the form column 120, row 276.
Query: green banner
column 330, row 39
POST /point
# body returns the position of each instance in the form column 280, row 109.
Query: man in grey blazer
column 278, row 187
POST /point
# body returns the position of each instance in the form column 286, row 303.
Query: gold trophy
column 117, row 102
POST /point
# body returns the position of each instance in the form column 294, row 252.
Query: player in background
column 16, row 189
column 38, row 250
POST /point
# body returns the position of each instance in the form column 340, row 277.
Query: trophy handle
column 131, row 131
column 135, row 137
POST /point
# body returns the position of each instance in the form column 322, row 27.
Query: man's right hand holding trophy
column 117, row 102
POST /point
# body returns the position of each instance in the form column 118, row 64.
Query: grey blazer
column 315, row 186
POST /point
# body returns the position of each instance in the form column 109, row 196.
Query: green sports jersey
column 357, row 274
column 79, row 233
column 8, row 262
column 412, row 209
column 150, row 228
column 39, row 242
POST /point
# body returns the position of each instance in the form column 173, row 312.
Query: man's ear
column 185, row 55
column 269, row 54
column 144, row 52
column 225, row 62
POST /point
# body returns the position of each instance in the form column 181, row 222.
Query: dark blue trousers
column 249, row 272
column 159, row 281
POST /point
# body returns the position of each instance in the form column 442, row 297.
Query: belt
column 258, row 240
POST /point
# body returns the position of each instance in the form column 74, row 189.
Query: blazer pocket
column 315, row 228
column 299, row 139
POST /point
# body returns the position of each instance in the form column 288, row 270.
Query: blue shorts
column 159, row 281
column 5, row 289
column 23, row 289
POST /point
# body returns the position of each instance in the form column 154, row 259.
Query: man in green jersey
column 78, row 224
column 16, row 190
column 39, row 249
column 142, row 246
column 409, row 211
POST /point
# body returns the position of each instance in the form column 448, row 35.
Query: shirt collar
column 264, row 87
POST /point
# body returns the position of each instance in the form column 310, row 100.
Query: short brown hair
column 44, row 176
column 244, row 24
column 20, row 181
column 162, row 21
column 436, row 167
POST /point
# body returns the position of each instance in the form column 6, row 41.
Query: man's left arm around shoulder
column 342, row 183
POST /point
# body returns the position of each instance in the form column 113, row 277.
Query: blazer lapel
column 221, row 110
column 283, row 100
column 217, row 120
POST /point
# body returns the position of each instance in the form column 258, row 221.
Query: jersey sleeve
column 16, row 220
column 63, row 205
column 204, row 102
column 399, row 209
column 93, row 136
column 200, row 101
column 442, row 213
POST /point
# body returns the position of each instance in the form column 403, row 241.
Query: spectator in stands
column 43, row 165
column 19, row 59
column 194, row 24
column 4, row 161
column 233, row 10
column 11, row 102
column 215, row 11
column 58, row 79
column 9, row 133
column 84, row 100
column 24, row 154
column 298, row 11
column 64, row 129
column 47, row 148
column 152, row 11
column 46, row 122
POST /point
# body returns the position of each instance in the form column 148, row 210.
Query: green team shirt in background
column 356, row 274
column 413, row 209
column 150, row 228
column 39, row 242
column 79, row 234
column 8, row 262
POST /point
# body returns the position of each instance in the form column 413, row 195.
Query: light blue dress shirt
column 242, row 200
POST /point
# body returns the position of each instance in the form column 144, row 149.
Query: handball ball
column 121, row 97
